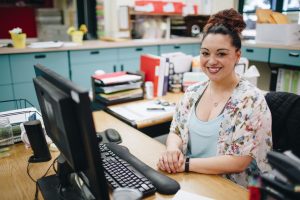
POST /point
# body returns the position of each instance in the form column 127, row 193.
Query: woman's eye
column 204, row 53
column 221, row 54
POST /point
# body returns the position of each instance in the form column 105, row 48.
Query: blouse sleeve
column 253, row 136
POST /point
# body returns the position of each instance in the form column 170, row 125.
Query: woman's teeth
column 214, row 69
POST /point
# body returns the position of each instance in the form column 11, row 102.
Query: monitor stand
column 60, row 185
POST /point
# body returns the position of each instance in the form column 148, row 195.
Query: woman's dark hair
column 226, row 22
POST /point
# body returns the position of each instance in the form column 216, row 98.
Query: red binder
column 149, row 64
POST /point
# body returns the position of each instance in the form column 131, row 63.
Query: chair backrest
column 285, row 110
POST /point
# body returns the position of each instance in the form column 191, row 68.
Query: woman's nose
column 212, row 60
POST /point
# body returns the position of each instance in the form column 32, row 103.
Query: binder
column 149, row 65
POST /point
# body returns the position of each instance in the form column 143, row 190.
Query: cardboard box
column 278, row 33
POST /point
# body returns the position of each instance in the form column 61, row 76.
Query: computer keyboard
column 119, row 173
column 162, row 183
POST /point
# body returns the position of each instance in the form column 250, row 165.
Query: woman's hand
column 171, row 160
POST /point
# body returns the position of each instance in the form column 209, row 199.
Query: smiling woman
column 222, row 126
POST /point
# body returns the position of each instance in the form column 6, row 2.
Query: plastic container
column 149, row 90
column 6, row 137
column 19, row 40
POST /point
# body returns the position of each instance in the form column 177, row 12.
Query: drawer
column 256, row 54
column 92, row 56
column 285, row 56
column 22, row 64
column 136, row 52
column 184, row 48
column 5, row 75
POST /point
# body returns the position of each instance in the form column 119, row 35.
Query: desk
column 170, row 97
column 15, row 184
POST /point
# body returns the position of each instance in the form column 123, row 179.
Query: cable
column 35, row 181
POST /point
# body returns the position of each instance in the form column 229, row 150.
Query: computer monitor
column 68, row 121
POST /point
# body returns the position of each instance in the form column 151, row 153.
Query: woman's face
column 218, row 57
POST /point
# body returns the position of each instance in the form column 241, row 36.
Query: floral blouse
column 245, row 130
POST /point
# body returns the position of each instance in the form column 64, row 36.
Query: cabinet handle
column 40, row 56
column 176, row 47
column 94, row 52
column 139, row 49
column 249, row 50
column 122, row 67
column 293, row 54
column 115, row 68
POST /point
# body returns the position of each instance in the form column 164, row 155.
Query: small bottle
column 6, row 137
column 149, row 89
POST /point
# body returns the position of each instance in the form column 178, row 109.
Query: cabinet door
column 26, row 91
column 5, row 75
column 256, row 54
column 81, row 73
column 6, row 94
column 285, row 56
column 196, row 49
column 184, row 48
column 136, row 52
column 130, row 65
column 22, row 64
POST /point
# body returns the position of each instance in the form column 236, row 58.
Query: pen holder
column 77, row 37
column 19, row 40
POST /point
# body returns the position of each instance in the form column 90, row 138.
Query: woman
column 222, row 126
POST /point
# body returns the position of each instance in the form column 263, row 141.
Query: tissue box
column 278, row 33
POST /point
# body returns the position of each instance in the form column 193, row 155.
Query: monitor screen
column 68, row 121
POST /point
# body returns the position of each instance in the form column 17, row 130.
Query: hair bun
column 229, row 18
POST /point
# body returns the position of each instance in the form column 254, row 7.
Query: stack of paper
column 117, row 87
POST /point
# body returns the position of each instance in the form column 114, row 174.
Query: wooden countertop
column 15, row 183
column 98, row 44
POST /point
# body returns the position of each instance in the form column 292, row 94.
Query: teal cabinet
column 84, row 64
column 129, row 58
column 6, row 94
column 196, row 49
column 285, row 56
column 22, row 64
column 185, row 48
column 81, row 73
column 23, row 71
column 26, row 91
column 256, row 54
column 5, row 75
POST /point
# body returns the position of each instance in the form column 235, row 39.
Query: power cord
column 35, row 181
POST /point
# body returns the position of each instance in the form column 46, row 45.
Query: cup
column 19, row 40
column 127, row 194
column 77, row 36
column 6, row 137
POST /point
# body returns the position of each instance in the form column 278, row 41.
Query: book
column 115, row 78
column 151, row 66
column 118, row 88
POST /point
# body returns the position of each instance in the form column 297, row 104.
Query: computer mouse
column 113, row 135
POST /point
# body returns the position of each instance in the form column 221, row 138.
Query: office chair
column 285, row 110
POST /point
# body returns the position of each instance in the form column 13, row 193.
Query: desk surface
column 15, row 183
column 170, row 97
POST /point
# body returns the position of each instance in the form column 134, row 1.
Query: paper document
column 50, row 44
column 183, row 195
column 140, row 111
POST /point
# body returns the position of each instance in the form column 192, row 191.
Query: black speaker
column 37, row 141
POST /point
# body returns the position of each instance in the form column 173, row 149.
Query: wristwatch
column 187, row 164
